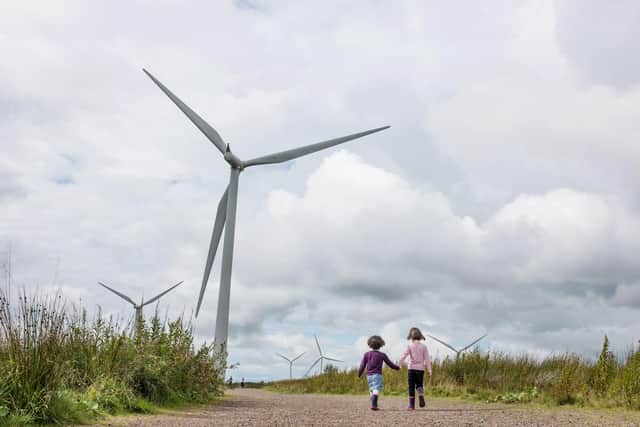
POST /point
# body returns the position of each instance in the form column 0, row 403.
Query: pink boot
column 412, row 404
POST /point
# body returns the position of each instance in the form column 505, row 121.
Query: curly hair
column 375, row 342
column 415, row 334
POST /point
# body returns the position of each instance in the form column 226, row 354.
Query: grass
column 566, row 379
column 56, row 366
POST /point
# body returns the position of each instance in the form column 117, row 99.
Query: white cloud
column 503, row 199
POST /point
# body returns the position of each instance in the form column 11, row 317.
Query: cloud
column 504, row 198
column 600, row 40
column 627, row 294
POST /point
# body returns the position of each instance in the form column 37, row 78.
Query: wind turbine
column 320, row 359
column 138, row 307
column 291, row 362
column 455, row 350
column 226, row 213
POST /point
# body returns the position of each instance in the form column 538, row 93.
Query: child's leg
column 420, row 387
column 375, row 387
column 412, row 382
column 412, row 389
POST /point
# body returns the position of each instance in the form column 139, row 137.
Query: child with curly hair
column 418, row 361
column 372, row 360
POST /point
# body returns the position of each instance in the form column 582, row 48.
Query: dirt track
column 254, row 407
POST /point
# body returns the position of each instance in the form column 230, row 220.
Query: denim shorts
column 375, row 382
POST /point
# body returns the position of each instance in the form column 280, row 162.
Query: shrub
column 57, row 366
column 605, row 369
column 629, row 380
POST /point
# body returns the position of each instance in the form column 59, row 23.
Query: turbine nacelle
column 233, row 160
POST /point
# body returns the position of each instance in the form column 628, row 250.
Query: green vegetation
column 499, row 377
column 56, row 366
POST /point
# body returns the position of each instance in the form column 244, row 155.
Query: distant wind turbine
column 291, row 362
column 138, row 307
column 226, row 213
column 458, row 352
column 320, row 359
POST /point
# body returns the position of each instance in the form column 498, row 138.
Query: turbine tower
column 458, row 352
column 291, row 362
column 320, row 359
column 226, row 213
column 138, row 307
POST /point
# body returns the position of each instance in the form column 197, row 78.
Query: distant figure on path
column 230, row 382
column 242, row 383
column 419, row 360
column 372, row 360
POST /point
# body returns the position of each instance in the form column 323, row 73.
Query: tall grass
column 497, row 376
column 58, row 366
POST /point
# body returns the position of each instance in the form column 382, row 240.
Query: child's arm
column 363, row 365
column 427, row 360
column 404, row 356
column 390, row 363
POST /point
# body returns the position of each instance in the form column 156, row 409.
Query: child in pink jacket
column 418, row 361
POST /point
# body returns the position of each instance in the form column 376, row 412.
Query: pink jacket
column 418, row 356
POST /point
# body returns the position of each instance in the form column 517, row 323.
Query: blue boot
column 374, row 402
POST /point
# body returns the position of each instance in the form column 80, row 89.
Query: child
column 419, row 361
column 372, row 360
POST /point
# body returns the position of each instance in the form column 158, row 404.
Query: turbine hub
column 232, row 159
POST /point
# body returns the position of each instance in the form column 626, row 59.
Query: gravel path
column 260, row 408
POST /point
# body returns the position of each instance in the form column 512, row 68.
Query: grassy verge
column 568, row 379
column 56, row 366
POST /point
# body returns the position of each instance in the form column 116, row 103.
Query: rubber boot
column 374, row 402
column 412, row 404
column 421, row 397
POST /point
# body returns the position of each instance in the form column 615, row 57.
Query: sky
column 503, row 200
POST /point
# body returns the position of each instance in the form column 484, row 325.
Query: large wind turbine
column 320, row 359
column 458, row 352
column 226, row 213
column 138, row 307
column 291, row 362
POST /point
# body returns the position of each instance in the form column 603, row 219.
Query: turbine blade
column 333, row 360
column 208, row 131
column 312, row 366
column 318, row 344
column 283, row 357
column 283, row 156
column 473, row 343
column 121, row 295
column 298, row 356
column 213, row 246
column 443, row 343
column 160, row 295
column 224, row 292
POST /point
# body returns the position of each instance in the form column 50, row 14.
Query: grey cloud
column 383, row 291
column 601, row 38
column 627, row 294
column 10, row 186
column 255, row 5
column 505, row 189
